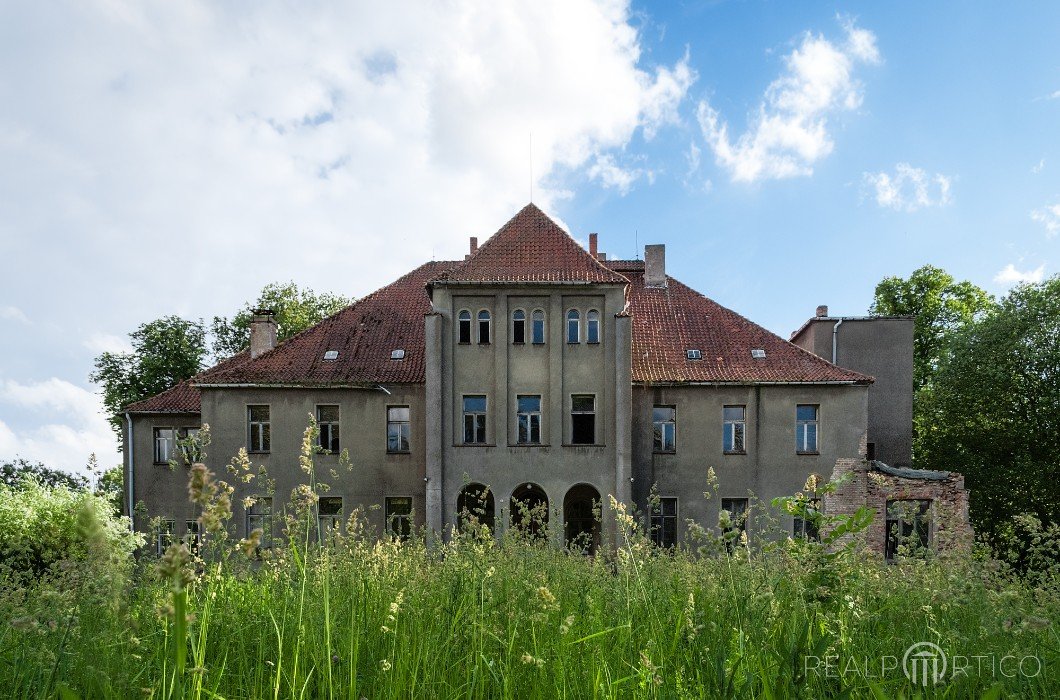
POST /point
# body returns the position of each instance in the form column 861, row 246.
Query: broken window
column 664, row 522
column 474, row 420
column 397, row 429
column 734, row 428
column 529, row 419
column 464, row 325
column 519, row 327
column 583, row 419
column 484, row 327
column 908, row 527
column 328, row 424
column 664, row 422
column 399, row 516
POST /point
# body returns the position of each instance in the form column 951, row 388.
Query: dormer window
column 573, row 326
column 331, row 355
column 464, row 324
column 519, row 327
column 694, row 354
column 483, row 327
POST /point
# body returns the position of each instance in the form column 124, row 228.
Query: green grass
column 518, row 620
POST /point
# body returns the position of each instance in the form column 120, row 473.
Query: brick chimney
column 262, row 332
column 592, row 245
column 655, row 265
column 822, row 311
column 474, row 244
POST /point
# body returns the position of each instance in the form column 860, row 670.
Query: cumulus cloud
column 611, row 175
column 1049, row 217
column 789, row 132
column 65, row 424
column 909, row 188
column 1010, row 275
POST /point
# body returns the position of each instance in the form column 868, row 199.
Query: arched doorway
column 581, row 518
column 475, row 506
column 529, row 510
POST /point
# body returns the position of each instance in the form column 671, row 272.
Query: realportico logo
column 924, row 664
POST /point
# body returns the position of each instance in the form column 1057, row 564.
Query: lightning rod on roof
column 531, row 166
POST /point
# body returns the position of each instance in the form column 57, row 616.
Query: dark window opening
column 464, row 324
column 583, row 419
column 328, row 424
column 398, row 426
column 664, row 422
column 908, row 527
column 474, row 420
column 519, row 327
column 484, row 327
column 664, row 522
column 399, row 516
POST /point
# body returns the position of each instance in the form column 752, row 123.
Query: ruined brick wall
column 865, row 485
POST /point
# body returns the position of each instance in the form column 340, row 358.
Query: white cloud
column 909, row 188
column 13, row 313
column 105, row 342
column 65, row 424
column 611, row 175
column 1039, row 167
column 790, row 131
column 1010, row 275
column 1049, row 217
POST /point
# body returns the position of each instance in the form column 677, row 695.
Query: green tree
column 295, row 310
column 165, row 352
column 994, row 411
column 16, row 472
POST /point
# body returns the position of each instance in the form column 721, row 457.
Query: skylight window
column 694, row 354
column 331, row 355
column 758, row 354
column 397, row 354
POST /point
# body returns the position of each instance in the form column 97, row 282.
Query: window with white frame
column 528, row 418
column 259, row 431
column 592, row 326
column 399, row 516
column 474, row 419
column 484, row 327
column 164, row 443
column 583, row 419
column 329, row 515
column 189, row 446
column 398, row 426
column 664, row 522
column 259, row 517
column 573, row 326
column 464, row 327
column 664, row 428
column 734, row 429
column 328, row 424
column 806, row 418
column 537, row 327
column 518, row 327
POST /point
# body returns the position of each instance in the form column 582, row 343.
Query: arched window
column 484, row 327
column 573, row 326
column 519, row 326
column 537, row 331
column 592, row 326
column 465, row 326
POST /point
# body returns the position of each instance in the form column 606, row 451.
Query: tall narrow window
column 573, row 326
column 529, row 419
column 397, row 429
column 484, row 327
column 164, row 536
column 664, row 522
column 537, row 330
column 399, row 516
column 908, row 527
column 583, row 419
column 163, row 445
column 592, row 327
column 259, row 433
column 328, row 423
column 734, row 428
column 474, row 420
column 519, row 327
column 192, row 535
column 664, row 422
column 329, row 515
column 464, row 326
column 737, row 508
column 259, row 517
column 806, row 416
column 189, row 446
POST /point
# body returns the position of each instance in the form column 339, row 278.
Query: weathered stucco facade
column 534, row 368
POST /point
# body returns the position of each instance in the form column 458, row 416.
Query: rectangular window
column 737, row 508
column 397, row 429
column 189, row 446
column 908, row 526
column 806, row 528
column 399, row 516
column 538, row 327
column 735, row 426
column 328, row 423
column 664, row 522
column 164, row 536
column 192, row 535
column 583, row 419
column 529, row 419
column 519, row 327
column 474, row 420
column 329, row 514
column 259, row 432
column 664, row 421
column 806, row 428
column 259, row 517
column 163, row 445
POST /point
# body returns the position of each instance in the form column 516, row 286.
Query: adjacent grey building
column 531, row 373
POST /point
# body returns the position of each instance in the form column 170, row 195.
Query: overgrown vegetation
column 358, row 616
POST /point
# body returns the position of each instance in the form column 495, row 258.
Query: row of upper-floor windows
column 528, row 419
column 529, row 327
column 734, row 429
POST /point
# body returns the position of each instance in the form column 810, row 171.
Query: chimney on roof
column 262, row 332
column 592, row 245
column 822, row 311
column 655, row 265
column 474, row 244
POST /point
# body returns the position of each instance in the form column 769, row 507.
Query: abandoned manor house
column 537, row 374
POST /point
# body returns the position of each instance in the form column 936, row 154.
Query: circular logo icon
column 924, row 663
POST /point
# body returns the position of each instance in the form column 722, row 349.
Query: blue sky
column 160, row 158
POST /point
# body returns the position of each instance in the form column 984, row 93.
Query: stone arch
column 529, row 510
column 475, row 506
column 581, row 518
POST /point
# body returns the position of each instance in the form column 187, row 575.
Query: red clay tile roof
column 183, row 397
column 364, row 334
column 532, row 248
column 669, row 321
